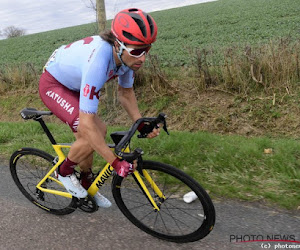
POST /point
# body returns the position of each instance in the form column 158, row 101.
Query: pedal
column 87, row 204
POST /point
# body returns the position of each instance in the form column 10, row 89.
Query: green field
column 212, row 25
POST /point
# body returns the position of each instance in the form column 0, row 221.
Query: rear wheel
column 28, row 166
column 176, row 220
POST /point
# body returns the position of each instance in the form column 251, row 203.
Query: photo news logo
column 276, row 241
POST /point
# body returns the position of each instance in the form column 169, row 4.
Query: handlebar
column 153, row 121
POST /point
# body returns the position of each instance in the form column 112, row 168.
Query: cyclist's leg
column 86, row 161
column 85, row 156
column 64, row 103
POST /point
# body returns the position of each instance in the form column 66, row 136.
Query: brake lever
column 162, row 119
column 165, row 127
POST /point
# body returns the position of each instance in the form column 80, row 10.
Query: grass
column 226, row 166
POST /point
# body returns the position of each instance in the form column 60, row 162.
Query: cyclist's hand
column 123, row 168
column 154, row 133
column 148, row 131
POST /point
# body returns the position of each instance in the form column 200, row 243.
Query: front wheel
column 176, row 220
column 28, row 166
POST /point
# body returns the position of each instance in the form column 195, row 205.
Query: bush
column 16, row 77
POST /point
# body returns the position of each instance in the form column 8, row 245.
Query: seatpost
column 47, row 131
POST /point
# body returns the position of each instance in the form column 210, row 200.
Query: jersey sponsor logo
column 91, row 93
column 61, row 101
column 86, row 90
column 104, row 177
column 94, row 93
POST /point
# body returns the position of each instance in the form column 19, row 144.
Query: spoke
column 175, row 219
column 183, row 210
column 137, row 207
column 143, row 218
column 163, row 222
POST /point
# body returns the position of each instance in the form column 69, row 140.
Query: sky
column 36, row 16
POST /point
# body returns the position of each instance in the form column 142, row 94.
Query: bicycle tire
column 28, row 166
column 183, row 222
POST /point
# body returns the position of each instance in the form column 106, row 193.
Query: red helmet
column 133, row 26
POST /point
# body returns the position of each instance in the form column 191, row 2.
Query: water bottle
column 190, row 197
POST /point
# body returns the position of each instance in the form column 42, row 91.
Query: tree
column 101, row 15
column 99, row 7
column 12, row 31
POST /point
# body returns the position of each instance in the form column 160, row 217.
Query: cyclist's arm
column 128, row 101
column 92, row 131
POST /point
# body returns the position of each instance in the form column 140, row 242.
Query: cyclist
column 70, row 87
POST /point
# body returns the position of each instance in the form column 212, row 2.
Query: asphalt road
column 25, row 226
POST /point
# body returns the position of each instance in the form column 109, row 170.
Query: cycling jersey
column 84, row 66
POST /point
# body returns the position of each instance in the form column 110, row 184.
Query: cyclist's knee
column 86, row 164
column 83, row 143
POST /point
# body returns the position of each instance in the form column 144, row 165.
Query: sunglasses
column 135, row 52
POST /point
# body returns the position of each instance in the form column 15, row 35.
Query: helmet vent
column 131, row 37
column 133, row 10
column 151, row 25
column 141, row 24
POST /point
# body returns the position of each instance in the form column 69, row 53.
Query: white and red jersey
column 84, row 66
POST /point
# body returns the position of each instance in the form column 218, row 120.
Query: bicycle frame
column 61, row 157
column 105, row 173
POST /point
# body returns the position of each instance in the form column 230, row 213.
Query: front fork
column 137, row 175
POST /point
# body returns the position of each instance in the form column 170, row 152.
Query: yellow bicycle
column 151, row 198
